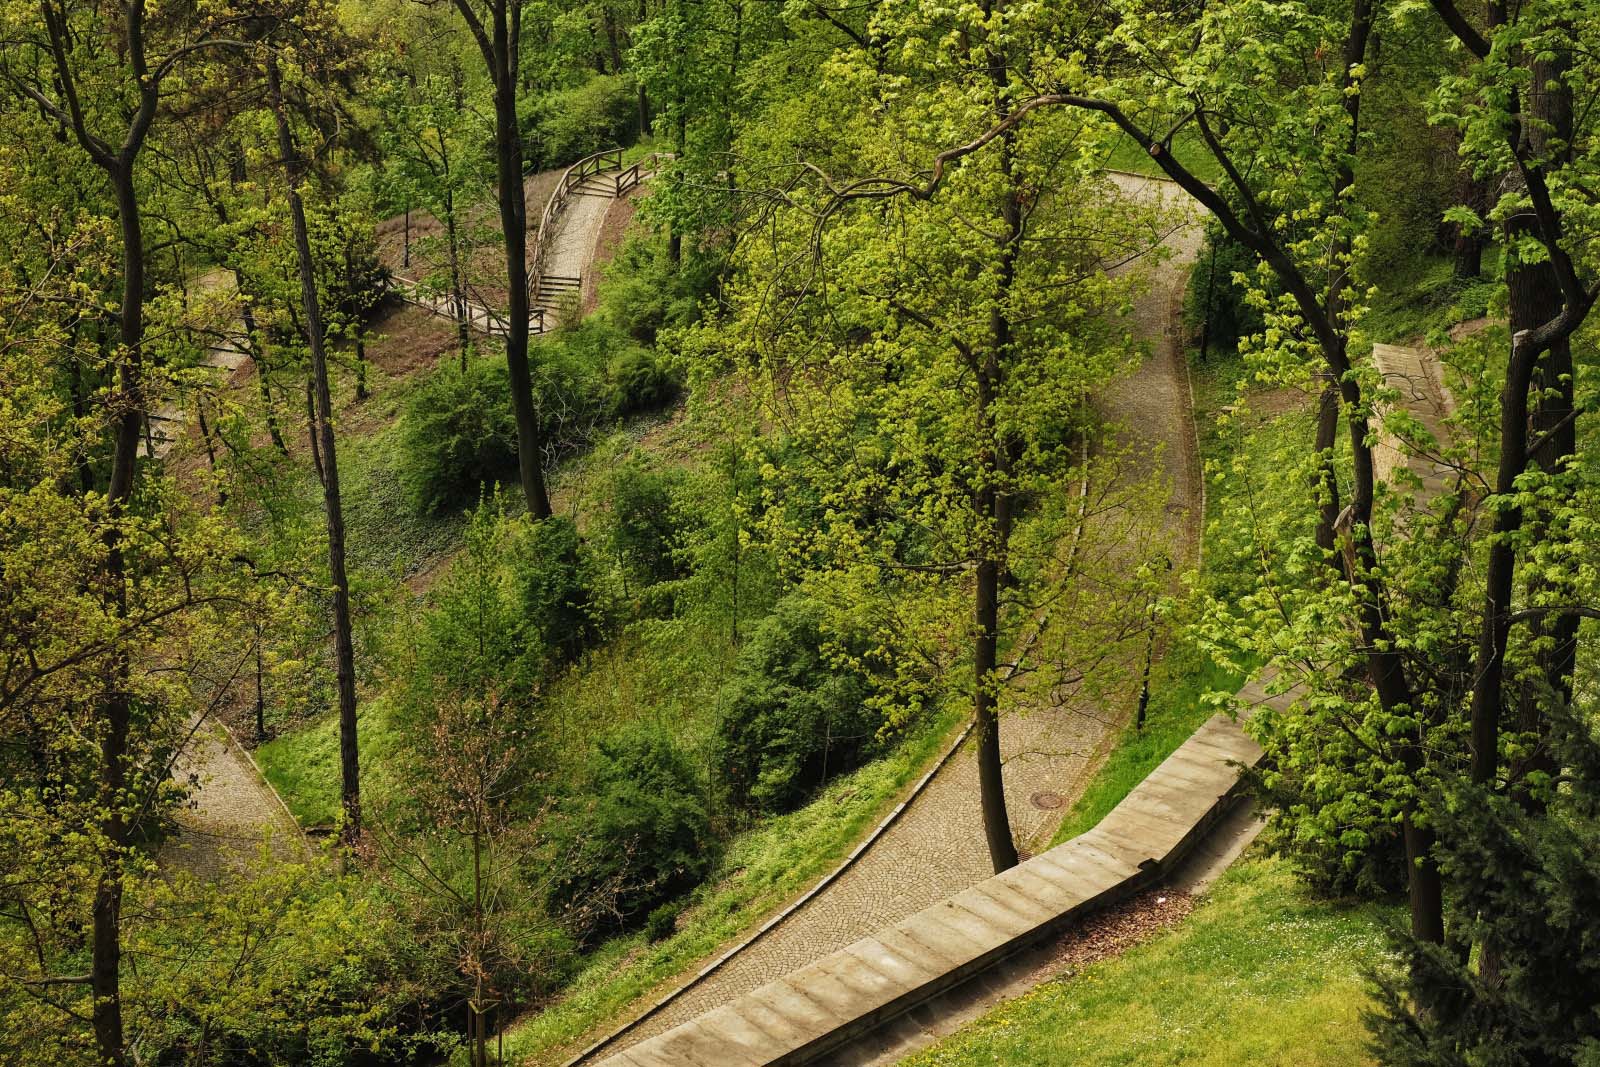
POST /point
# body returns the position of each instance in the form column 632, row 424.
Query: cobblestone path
column 937, row 848
column 231, row 813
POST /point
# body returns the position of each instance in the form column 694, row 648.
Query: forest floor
column 936, row 847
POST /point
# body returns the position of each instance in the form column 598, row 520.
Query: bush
column 549, row 574
column 457, row 435
column 663, row 921
column 646, row 292
column 577, row 122
column 644, row 528
column 637, row 382
column 1215, row 298
column 789, row 719
column 637, row 836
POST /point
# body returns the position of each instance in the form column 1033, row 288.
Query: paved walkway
column 232, row 813
column 212, row 296
column 937, row 848
column 811, row 1014
column 571, row 255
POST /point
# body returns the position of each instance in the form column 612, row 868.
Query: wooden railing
column 571, row 178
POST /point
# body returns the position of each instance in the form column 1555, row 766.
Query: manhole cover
column 1047, row 801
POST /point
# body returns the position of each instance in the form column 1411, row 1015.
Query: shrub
column 663, row 921
column 637, row 836
column 643, row 525
column 457, row 435
column 576, row 122
column 638, row 381
column 789, row 719
column 549, row 573
column 1215, row 298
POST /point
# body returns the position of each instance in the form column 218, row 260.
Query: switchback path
column 936, row 848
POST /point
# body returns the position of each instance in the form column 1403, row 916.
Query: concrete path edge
column 799, row 902
column 803, row 1017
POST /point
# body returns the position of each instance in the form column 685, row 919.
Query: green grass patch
column 1187, row 148
column 763, row 867
column 1261, row 973
column 1422, row 296
column 303, row 764
column 1178, row 687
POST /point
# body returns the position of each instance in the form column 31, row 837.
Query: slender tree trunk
column 1327, row 477
column 80, row 410
column 1553, row 418
column 458, row 297
column 247, row 315
column 105, row 968
column 1534, row 299
column 344, row 647
column 994, row 507
column 501, row 56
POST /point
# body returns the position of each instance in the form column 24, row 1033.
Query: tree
column 496, row 27
column 104, row 82
column 327, row 461
column 427, row 155
column 934, row 357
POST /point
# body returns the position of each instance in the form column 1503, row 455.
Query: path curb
column 778, row 919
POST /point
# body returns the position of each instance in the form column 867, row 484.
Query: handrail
column 574, row 175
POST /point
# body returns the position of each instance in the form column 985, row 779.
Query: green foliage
column 644, row 523
column 645, row 292
column 1522, row 874
column 637, row 835
column 791, row 717
column 1215, row 305
column 549, row 578
column 639, row 381
column 458, row 435
column 1261, row 973
column 662, row 922
column 572, row 123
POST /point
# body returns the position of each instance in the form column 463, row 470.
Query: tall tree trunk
column 994, row 502
column 1327, row 478
column 105, row 968
column 1535, row 299
column 344, row 647
column 514, row 224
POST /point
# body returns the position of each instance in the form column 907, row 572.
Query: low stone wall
column 804, row 1015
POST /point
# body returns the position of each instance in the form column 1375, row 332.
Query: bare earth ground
column 613, row 229
column 937, row 847
column 486, row 271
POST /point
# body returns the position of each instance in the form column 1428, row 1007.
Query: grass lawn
column 1187, row 148
column 303, row 764
column 1261, row 973
column 1178, row 687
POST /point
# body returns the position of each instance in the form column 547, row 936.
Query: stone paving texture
column 936, row 849
column 802, row 1016
column 232, row 813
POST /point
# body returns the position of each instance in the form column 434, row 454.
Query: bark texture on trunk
column 344, row 647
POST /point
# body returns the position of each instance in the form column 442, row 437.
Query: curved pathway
column 936, row 848
column 233, row 816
